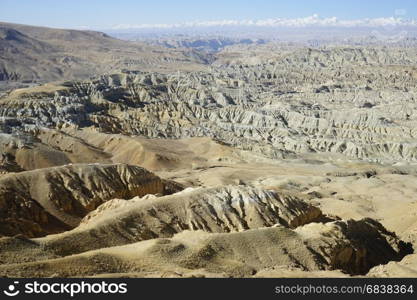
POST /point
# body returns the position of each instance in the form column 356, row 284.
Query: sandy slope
column 351, row 246
column 261, row 193
column 298, row 161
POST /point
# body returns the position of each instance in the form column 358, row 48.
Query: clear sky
column 103, row 14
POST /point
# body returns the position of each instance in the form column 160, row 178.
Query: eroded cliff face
column 52, row 200
column 222, row 209
column 289, row 158
column 232, row 231
column 310, row 248
column 354, row 101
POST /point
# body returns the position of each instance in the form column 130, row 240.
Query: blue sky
column 102, row 14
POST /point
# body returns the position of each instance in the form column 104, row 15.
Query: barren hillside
column 269, row 160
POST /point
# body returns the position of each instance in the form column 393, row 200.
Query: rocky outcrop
column 293, row 119
column 351, row 246
column 369, row 244
column 302, row 102
column 223, row 209
column 53, row 200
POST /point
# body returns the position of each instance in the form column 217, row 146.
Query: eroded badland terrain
column 272, row 160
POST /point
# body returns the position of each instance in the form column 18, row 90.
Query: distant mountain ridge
column 41, row 54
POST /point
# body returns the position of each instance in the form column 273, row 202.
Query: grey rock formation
column 358, row 102
column 293, row 128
